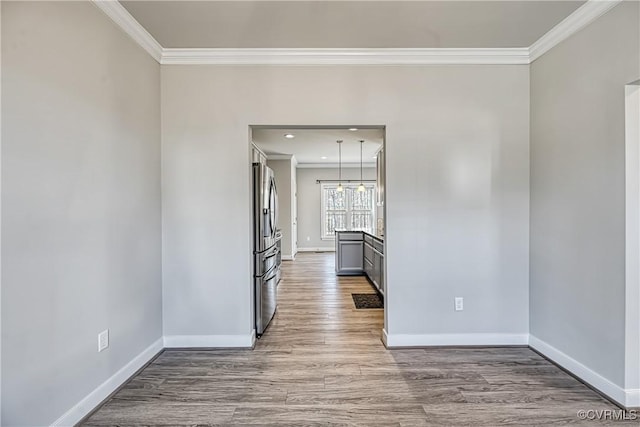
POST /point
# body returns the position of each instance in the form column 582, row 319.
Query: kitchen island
column 361, row 253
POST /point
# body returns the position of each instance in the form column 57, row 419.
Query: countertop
column 374, row 235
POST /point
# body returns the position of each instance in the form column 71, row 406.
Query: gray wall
column 282, row 170
column 80, row 205
column 309, row 202
column 578, row 191
column 457, row 209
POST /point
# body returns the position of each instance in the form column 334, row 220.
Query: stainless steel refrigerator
column 266, row 250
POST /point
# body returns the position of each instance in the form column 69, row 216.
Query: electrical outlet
column 459, row 303
column 103, row 340
column 308, row 238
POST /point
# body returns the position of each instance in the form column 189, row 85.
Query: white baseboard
column 427, row 340
column 254, row 338
column 632, row 397
column 210, row 341
column 385, row 337
column 93, row 399
column 326, row 249
column 628, row 398
column 288, row 257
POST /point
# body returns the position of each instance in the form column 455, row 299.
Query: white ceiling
column 349, row 24
column 310, row 145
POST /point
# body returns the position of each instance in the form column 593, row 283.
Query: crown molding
column 580, row 18
column 279, row 156
column 511, row 56
column 122, row 18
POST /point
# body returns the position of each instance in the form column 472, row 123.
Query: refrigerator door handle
column 267, row 218
column 274, row 206
column 271, row 253
column 272, row 274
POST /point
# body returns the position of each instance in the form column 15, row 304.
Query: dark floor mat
column 363, row 301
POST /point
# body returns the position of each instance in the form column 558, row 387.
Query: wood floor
column 321, row 362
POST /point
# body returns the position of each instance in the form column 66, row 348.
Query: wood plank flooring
column 321, row 362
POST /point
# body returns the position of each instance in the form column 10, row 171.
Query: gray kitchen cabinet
column 349, row 253
column 368, row 267
column 377, row 260
column 380, row 275
column 374, row 261
column 378, row 268
column 368, row 257
column 368, row 251
column 360, row 252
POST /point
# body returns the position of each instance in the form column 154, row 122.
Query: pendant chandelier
column 340, row 187
column 361, row 186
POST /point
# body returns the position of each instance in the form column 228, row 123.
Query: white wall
column 578, row 191
column 457, row 179
column 309, row 202
column 81, row 222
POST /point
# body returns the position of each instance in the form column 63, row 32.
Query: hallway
column 321, row 362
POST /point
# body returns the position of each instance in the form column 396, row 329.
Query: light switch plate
column 459, row 303
column 103, row 340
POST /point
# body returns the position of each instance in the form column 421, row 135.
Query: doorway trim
column 632, row 245
column 250, row 146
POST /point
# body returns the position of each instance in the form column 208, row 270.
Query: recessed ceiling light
column 289, row 135
column 324, row 157
column 353, row 129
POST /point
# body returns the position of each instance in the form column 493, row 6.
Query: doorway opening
column 331, row 217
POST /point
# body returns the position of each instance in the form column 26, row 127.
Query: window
column 348, row 209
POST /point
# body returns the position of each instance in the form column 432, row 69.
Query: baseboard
column 627, row 398
column 429, row 340
column 632, row 398
column 210, row 341
column 325, row 249
column 385, row 337
column 254, row 338
column 93, row 399
column 290, row 257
